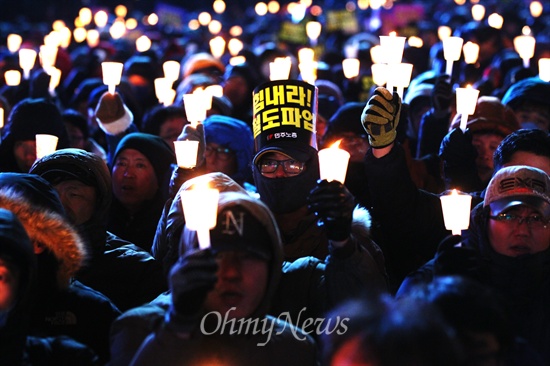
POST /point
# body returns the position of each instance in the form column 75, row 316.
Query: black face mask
column 284, row 195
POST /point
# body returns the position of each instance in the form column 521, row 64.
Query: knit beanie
column 233, row 134
column 155, row 149
column 347, row 119
column 202, row 62
column 490, row 115
column 112, row 115
column 36, row 116
column 531, row 89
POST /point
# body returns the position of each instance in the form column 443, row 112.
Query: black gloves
column 333, row 204
column 380, row 117
column 442, row 94
column 191, row 278
column 453, row 260
column 459, row 161
column 195, row 134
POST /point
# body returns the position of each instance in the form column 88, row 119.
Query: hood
column 263, row 215
column 48, row 228
column 89, row 169
column 17, row 251
column 233, row 134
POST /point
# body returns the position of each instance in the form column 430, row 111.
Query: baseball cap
column 238, row 229
column 516, row 186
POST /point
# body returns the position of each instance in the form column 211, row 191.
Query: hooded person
column 122, row 271
column 307, row 287
column 28, row 118
column 140, row 176
column 61, row 305
column 18, row 274
column 235, row 278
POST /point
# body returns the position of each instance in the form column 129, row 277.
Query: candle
column 452, row 48
column 377, row 54
column 235, row 46
column 478, row 12
column 313, row 31
column 279, row 69
column 55, row 77
column 217, row 46
column 350, row 66
column 379, row 74
column 392, row 48
column 200, row 209
column 194, row 108
column 466, row 100
column 45, row 145
column 333, row 163
column 456, row 211
column 186, row 153
column 544, row 69
column 471, row 52
column 525, row 47
column 1, row 117
column 12, row 77
column 401, row 75
column 305, row 55
column 214, row 90
column 48, row 55
column 171, row 70
column 27, row 58
column 308, row 71
column 14, row 42
column 112, row 73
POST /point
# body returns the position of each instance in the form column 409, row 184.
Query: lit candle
column 217, row 46
column 194, row 108
column 478, row 12
column 235, row 46
column 186, row 153
column 471, row 52
column 544, row 69
column 12, row 77
column 214, row 90
column 112, row 73
column 45, row 144
column 279, row 69
column 55, row 77
column 350, row 66
column 27, row 58
column 377, row 54
column 452, row 48
column 333, row 163
column 466, row 101
column 313, row 31
column 525, row 47
column 162, row 86
column 171, row 70
column 456, row 211
column 1, row 117
column 308, row 71
column 14, row 42
column 305, row 55
column 379, row 74
column 402, row 76
column 200, row 209
column 392, row 48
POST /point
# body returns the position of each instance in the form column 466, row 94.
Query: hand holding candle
column 456, row 208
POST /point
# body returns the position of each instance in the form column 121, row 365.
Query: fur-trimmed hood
column 50, row 229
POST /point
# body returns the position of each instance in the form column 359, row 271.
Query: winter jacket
column 62, row 306
column 522, row 283
column 122, row 271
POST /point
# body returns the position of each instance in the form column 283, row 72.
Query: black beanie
column 347, row 119
column 155, row 149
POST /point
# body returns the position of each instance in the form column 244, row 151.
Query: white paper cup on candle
column 45, row 145
column 27, row 58
column 466, row 101
column 12, row 77
column 392, row 47
column 112, row 73
column 333, row 163
column 186, row 153
column 194, row 108
column 350, row 66
column 544, row 69
column 452, row 49
column 456, row 208
column 200, row 209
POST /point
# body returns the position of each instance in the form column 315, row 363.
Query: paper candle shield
column 285, row 112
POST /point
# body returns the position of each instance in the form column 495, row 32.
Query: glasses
column 290, row 167
column 533, row 221
column 223, row 153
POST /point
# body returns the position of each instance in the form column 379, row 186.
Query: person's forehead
column 132, row 154
column 274, row 155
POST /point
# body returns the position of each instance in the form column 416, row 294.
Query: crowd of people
column 99, row 267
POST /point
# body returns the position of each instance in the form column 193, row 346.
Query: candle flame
column 393, row 33
column 454, row 192
column 336, row 145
